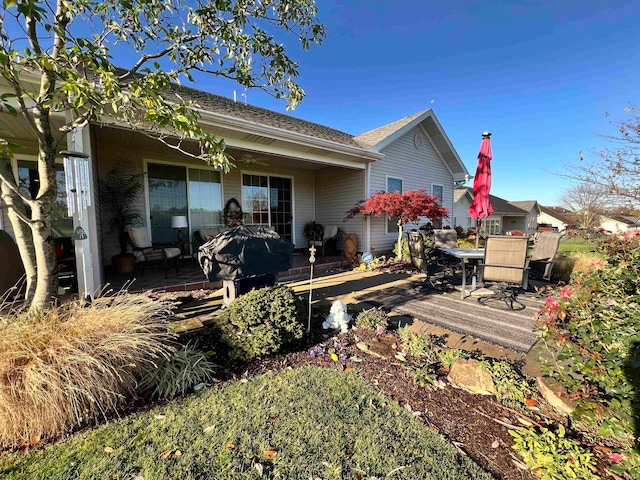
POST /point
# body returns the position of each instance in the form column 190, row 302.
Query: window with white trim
column 437, row 191
column 393, row 185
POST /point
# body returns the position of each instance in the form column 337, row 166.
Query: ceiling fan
column 250, row 158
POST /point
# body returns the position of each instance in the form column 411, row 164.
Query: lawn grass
column 320, row 423
column 577, row 244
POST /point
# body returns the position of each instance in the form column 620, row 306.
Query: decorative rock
column 555, row 395
column 470, row 376
column 377, row 348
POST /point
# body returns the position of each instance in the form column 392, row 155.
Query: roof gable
column 378, row 138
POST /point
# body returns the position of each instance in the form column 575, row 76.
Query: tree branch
column 12, row 185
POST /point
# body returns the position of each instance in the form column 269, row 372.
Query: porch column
column 88, row 262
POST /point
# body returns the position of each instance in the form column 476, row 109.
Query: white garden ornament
column 338, row 317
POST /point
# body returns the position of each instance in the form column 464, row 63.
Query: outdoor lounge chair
column 145, row 252
column 544, row 254
column 420, row 262
column 331, row 232
column 505, row 263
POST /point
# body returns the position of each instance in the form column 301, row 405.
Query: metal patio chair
column 419, row 261
column 543, row 255
column 145, row 252
column 505, row 264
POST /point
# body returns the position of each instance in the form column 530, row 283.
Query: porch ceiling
column 18, row 130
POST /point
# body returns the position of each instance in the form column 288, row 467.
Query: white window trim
column 441, row 198
column 145, row 169
column 293, row 195
column 386, row 189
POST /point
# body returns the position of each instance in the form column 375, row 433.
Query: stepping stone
column 378, row 348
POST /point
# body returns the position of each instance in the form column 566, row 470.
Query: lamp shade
column 179, row 221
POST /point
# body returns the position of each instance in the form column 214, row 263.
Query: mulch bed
column 465, row 419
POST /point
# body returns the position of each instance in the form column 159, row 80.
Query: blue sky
column 540, row 75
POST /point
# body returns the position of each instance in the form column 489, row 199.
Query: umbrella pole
column 477, row 232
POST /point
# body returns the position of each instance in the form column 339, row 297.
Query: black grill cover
column 244, row 252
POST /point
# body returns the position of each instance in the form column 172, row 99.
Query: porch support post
column 88, row 264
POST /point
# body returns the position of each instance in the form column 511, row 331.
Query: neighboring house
column 557, row 217
column 507, row 216
column 619, row 223
column 289, row 171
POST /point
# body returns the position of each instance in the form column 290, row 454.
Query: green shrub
column 418, row 344
column 73, row 364
column 594, row 326
column 447, row 356
column 374, row 319
column 177, row 374
column 261, row 322
column 552, row 455
column 510, row 385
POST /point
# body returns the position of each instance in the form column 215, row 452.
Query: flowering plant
column 594, row 328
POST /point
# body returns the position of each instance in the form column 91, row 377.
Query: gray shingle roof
column 261, row 116
column 500, row 205
column 526, row 205
column 368, row 139
column 559, row 213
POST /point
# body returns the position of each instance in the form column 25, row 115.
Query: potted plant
column 119, row 190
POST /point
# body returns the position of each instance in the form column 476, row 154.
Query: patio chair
column 446, row 238
column 544, row 254
column 331, row 232
column 145, row 252
column 420, row 262
column 505, row 263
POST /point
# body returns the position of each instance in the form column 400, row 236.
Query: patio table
column 462, row 254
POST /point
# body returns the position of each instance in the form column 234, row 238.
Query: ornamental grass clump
column 261, row 322
column 75, row 363
column 594, row 326
column 186, row 369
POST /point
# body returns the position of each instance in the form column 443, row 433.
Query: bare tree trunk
column 21, row 231
column 399, row 244
column 42, row 214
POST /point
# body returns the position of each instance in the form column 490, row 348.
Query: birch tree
column 102, row 61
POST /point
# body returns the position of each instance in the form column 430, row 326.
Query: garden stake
column 312, row 260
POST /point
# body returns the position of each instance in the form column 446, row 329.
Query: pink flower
column 611, row 302
column 616, row 457
column 552, row 302
column 379, row 330
column 565, row 293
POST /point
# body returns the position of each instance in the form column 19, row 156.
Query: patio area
column 465, row 323
column 191, row 277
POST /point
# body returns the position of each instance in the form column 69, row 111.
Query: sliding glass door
column 268, row 200
column 180, row 190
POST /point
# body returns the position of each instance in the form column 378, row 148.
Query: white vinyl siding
column 419, row 168
column 337, row 190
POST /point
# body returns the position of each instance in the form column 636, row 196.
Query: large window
column 179, row 190
column 29, row 183
column 393, row 185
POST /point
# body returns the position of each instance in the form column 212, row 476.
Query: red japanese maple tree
column 407, row 207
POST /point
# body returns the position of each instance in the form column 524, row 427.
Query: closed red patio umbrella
column 480, row 207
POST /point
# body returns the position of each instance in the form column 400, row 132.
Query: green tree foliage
column 90, row 61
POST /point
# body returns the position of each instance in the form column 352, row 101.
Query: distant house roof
column 460, row 192
column 626, row 219
column 500, row 205
column 559, row 213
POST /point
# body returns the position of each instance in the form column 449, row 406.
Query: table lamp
column 179, row 222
